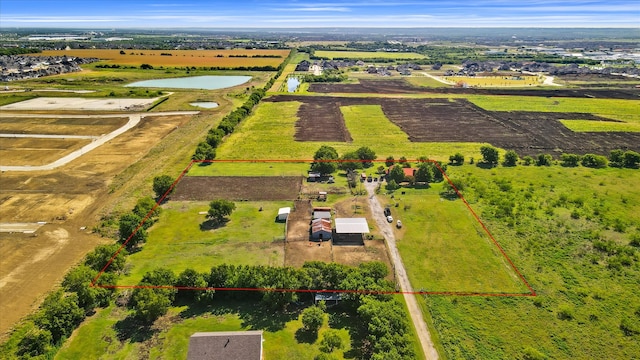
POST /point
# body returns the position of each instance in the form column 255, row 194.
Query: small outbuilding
column 350, row 231
column 283, row 213
column 227, row 345
column 321, row 229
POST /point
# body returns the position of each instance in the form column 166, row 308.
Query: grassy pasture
column 558, row 216
column 445, row 249
column 368, row 55
column 591, row 126
column 178, row 242
column 198, row 58
column 624, row 110
column 424, row 81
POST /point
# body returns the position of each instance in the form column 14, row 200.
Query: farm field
column 239, row 188
column 428, row 120
column 368, row 55
column 200, row 58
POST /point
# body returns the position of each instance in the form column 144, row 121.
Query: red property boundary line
column 531, row 293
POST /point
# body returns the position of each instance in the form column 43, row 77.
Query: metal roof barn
column 352, row 226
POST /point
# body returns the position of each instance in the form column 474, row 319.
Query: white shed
column 283, row 213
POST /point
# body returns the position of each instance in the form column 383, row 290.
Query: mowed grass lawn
column 368, row 55
column 444, row 248
column 99, row 337
column 177, row 242
column 269, row 134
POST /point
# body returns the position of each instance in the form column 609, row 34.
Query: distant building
column 226, row 345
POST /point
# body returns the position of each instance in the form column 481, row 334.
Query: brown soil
column 444, row 120
column 69, row 198
column 237, row 188
column 60, row 126
column 299, row 221
column 399, row 86
column 321, row 121
column 34, row 152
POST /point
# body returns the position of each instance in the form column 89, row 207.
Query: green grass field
column 250, row 237
column 624, row 110
column 444, row 248
column 425, row 81
column 368, row 55
column 591, row 125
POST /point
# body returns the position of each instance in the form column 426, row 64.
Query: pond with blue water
column 208, row 82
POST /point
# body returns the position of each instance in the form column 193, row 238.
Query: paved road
column 134, row 119
column 430, row 352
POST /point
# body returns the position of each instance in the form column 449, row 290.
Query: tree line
column 206, row 150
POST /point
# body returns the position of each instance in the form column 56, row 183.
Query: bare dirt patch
column 400, row 86
column 60, row 126
column 69, row 198
column 299, row 221
column 33, row 151
column 373, row 250
column 321, row 121
column 458, row 120
column 296, row 253
column 237, row 188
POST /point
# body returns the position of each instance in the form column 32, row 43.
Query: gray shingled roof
column 227, row 345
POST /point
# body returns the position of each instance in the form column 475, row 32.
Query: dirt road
column 134, row 119
column 401, row 274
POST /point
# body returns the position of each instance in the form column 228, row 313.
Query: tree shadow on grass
column 306, row 336
column 252, row 313
column 212, row 225
column 133, row 330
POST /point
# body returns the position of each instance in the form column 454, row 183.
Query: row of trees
column 383, row 319
column 617, row 158
column 327, row 161
column 206, row 150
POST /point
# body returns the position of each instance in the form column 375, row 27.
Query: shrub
column 631, row 159
column 543, row 160
column 527, row 160
column 456, row 159
column 312, row 318
column 510, row 158
column 565, row 312
column 594, row 161
column 616, row 158
column 489, row 155
column 629, row 327
column 570, row 160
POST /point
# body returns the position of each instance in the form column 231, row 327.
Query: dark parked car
column 387, row 211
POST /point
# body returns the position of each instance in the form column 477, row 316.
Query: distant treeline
column 18, row 51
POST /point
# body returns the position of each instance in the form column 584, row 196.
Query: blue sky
column 310, row 13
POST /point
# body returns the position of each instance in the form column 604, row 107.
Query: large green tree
column 510, row 158
column 396, row 174
column 325, row 160
column 312, row 318
column 131, row 230
column 489, row 155
column 151, row 299
column 425, row 173
column 60, row 314
column 100, row 256
column 219, row 210
column 366, row 155
column 350, row 161
column 162, row 184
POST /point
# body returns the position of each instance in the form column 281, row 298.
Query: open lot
column 92, row 126
column 368, row 55
column 32, row 151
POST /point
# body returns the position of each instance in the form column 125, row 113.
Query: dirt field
column 59, row 126
column 444, row 120
column 321, row 121
column 237, row 188
column 69, row 199
column 399, row 86
column 34, row 151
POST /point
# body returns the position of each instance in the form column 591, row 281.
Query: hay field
column 198, row 58
column 495, row 81
column 368, row 55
